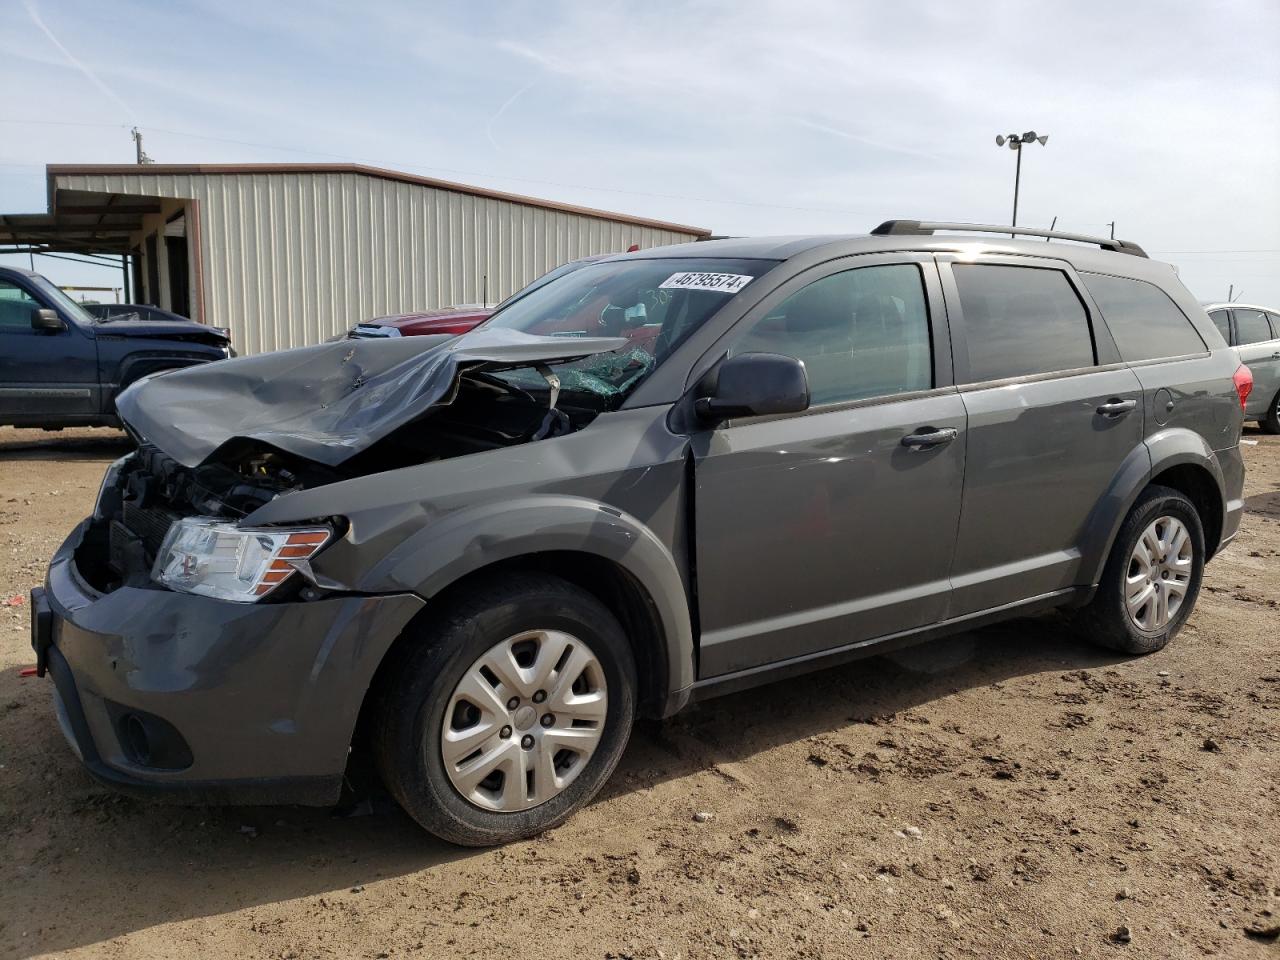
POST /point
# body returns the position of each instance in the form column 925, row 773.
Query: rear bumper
column 239, row 703
column 1231, row 462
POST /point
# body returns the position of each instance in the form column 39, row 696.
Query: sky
column 748, row 117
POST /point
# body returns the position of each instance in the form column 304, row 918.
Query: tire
column 1107, row 618
column 430, row 683
column 1271, row 422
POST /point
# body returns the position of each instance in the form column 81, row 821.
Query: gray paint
column 766, row 545
column 329, row 402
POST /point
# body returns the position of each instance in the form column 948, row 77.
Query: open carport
column 286, row 255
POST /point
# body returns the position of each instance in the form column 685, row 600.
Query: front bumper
column 247, row 703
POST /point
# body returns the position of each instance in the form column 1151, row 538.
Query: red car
column 459, row 319
column 454, row 320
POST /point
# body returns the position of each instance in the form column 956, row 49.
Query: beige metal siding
column 293, row 258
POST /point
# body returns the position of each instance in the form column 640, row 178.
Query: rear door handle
column 927, row 437
column 1118, row 408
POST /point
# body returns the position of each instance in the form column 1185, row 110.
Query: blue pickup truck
column 62, row 367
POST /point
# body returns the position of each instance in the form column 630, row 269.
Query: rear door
column 833, row 527
column 42, row 374
column 1183, row 384
column 1052, row 416
column 1259, row 348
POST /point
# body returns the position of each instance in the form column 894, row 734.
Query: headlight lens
column 213, row 558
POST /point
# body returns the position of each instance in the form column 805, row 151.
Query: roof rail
column 925, row 228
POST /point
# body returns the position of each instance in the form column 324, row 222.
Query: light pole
column 1016, row 142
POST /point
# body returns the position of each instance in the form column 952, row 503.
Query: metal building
column 288, row 254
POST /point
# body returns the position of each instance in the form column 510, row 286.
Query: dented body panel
column 329, row 402
column 427, row 468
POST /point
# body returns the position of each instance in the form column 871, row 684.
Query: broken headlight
column 214, row 558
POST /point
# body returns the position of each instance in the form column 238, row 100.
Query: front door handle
column 927, row 437
column 1117, row 408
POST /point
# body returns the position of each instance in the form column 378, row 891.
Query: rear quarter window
column 1144, row 322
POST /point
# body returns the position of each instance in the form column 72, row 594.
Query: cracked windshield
column 654, row 304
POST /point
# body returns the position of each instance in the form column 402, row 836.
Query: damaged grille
column 135, row 537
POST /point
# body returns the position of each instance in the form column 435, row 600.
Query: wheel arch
column 1175, row 458
column 605, row 551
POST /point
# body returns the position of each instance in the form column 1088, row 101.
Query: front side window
column 15, row 307
column 1222, row 320
column 1145, row 323
column 1020, row 321
column 62, row 301
column 861, row 333
column 1251, row 327
column 655, row 304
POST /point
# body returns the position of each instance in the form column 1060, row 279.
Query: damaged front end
column 217, row 444
column 152, row 508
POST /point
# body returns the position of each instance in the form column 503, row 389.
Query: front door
column 44, row 375
column 833, row 527
column 1052, row 416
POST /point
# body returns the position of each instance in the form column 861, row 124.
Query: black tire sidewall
column 1271, row 422
column 418, row 777
column 1114, row 627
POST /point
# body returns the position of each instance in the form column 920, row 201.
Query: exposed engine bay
column 152, row 489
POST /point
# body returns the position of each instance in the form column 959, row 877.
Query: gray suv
column 1255, row 333
column 665, row 476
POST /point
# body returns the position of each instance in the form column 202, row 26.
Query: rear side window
column 1251, row 327
column 1020, row 321
column 1222, row 320
column 1145, row 323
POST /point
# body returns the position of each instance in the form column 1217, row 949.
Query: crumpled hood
column 329, row 402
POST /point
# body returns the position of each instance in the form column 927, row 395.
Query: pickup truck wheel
column 1271, row 422
column 1152, row 578
column 508, row 712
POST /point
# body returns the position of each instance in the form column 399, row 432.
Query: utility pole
column 1112, row 225
column 1015, row 142
column 137, row 143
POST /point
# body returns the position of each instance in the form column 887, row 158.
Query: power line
column 498, row 176
column 450, row 170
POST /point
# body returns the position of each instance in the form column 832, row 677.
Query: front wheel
column 1152, row 577
column 508, row 713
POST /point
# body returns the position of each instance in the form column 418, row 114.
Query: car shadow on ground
column 137, row 864
column 731, row 728
column 52, row 445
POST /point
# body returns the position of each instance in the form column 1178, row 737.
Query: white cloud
column 746, row 117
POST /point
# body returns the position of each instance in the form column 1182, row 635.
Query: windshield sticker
column 729, row 283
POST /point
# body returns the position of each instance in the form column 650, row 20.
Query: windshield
column 654, row 304
column 77, row 312
column 543, row 280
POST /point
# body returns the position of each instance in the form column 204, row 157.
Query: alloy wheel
column 524, row 720
column 1159, row 574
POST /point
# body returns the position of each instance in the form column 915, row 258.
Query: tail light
column 1243, row 381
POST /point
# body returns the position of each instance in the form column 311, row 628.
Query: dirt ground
column 1006, row 793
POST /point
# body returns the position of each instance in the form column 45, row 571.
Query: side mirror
column 46, row 321
column 753, row 385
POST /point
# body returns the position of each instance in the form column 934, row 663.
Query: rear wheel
column 1152, row 578
column 508, row 713
column 1271, row 422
